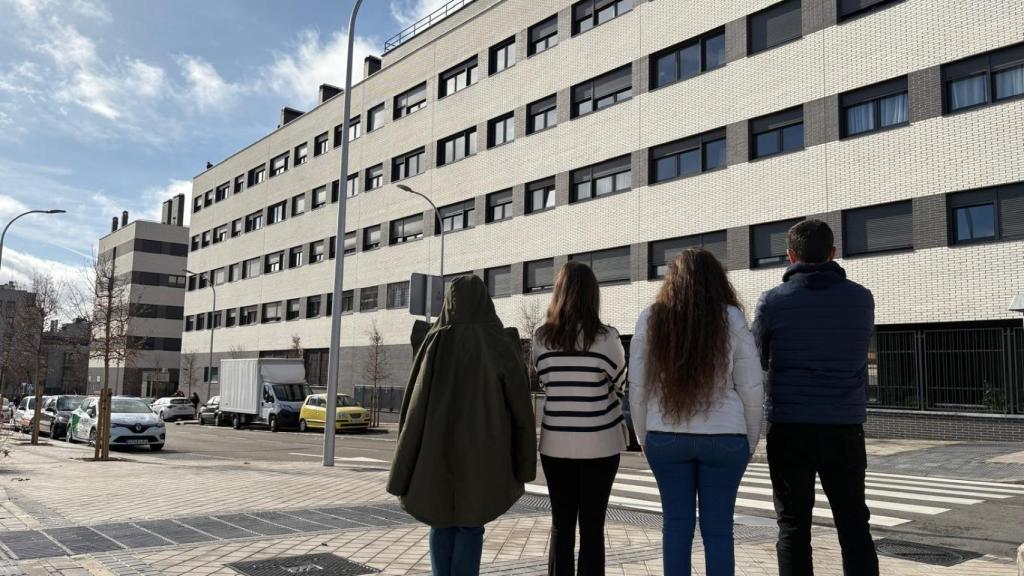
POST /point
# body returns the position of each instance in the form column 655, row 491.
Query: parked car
column 173, row 408
column 24, row 414
column 56, row 415
column 6, row 410
column 350, row 415
column 209, row 413
column 267, row 391
column 132, row 423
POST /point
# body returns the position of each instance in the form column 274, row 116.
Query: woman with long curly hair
column 696, row 397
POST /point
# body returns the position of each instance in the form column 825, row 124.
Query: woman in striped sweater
column 582, row 366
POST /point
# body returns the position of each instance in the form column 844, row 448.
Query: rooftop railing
column 423, row 23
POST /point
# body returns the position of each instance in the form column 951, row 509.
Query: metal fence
column 390, row 397
column 424, row 23
column 953, row 370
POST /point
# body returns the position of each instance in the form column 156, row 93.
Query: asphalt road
column 977, row 517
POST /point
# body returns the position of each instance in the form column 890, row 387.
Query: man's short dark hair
column 812, row 240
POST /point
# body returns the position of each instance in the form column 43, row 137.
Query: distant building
column 66, row 350
column 16, row 365
column 151, row 256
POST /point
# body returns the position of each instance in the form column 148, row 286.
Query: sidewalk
column 173, row 513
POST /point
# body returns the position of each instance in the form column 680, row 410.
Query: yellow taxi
column 351, row 416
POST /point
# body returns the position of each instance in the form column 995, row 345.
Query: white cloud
column 310, row 61
column 20, row 267
column 408, row 12
column 206, row 88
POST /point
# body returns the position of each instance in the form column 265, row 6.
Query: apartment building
column 619, row 133
column 151, row 257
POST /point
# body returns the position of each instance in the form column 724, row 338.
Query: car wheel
column 156, row 447
column 70, row 438
column 163, row 416
column 236, row 421
column 202, row 421
column 303, row 427
column 273, row 424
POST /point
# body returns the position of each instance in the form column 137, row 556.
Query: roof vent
column 328, row 91
column 371, row 65
column 113, row 224
column 287, row 115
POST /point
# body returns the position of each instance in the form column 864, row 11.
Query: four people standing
column 467, row 440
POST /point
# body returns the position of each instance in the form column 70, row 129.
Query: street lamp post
column 213, row 326
column 4, row 234
column 334, row 354
column 440, row 227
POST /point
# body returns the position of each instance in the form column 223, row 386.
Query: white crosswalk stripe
column 904, row 496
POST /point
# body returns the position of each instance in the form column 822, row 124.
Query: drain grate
column 310, row 564
column 82, row 540
column 923, row 553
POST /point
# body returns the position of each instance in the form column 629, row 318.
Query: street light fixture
column 213, row 326
column 4, row 234
column 440, row 226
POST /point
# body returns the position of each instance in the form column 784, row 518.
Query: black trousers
column 796, row 452
column 579, row 490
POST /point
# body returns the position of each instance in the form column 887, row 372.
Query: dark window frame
column 257, row 175
column 675, row 52
column 778, row 260
column 466, row 140
column 503, row 120
column 277, row 212
column 278, row 169
column 371, row 177
column 991, row 195
column 625, row 277
column 368, row 235
column 874, row 6
column 301, row 154
column 679, row 148
column 503, row 48
column 543, row 107
column 703, row 240
column 589, row 11
column 375, row 118
column 464, row 212
column 848, row 235
column 468, row 70
column 400, row 164
column 399, row 289
column 612, row 168
column 769, row 45
column 986, row 66
column 365, row 304
column 873, row 94
column 588, row 97
column 506, row 207
column 536, row 44
column 404, row 105
column 540, row 288
column 397, row 233
column 321, row 144
column 548, row 185
column 489, row 281
column 777, row 122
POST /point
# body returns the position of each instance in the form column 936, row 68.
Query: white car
column 174, row 408
column 132, row 423
column 25, row 413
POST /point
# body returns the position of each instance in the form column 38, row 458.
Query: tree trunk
column 39, row 407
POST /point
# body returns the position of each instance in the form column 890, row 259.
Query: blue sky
column 111, row 105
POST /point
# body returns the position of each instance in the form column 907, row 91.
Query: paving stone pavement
column 51, row 488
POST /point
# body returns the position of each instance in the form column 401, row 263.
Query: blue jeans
column 692, row 468
column 456, row 551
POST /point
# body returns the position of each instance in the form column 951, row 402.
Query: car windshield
column 345, row 401
column 129, row 406
column 291, row 392
column 68, row 403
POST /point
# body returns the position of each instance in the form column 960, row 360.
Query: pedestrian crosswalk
column 894, row 499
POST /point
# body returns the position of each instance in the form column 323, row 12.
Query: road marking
column 764, row 479
column 622, row 501
column 361, row 459
column 980, row 485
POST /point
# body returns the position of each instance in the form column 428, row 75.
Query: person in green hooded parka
column 467, row 441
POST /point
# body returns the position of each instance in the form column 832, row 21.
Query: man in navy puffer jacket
column 814, row 331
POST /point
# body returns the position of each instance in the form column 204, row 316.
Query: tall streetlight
column 4, row 234
column 213, row 325
column 440, row 226
column 334, row 354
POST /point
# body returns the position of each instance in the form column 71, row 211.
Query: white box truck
column 266, row 391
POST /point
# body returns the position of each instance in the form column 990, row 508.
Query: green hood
column 467, row 440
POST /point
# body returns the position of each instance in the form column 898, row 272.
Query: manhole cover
column 923, row 553
column 310, row 564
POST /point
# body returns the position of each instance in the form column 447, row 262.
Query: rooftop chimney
column 209, row 164
column 53, row 325
column 327, row 92
column 371, row 65
column 113, row 225
column 165, row 212
column 287, row 115
column 124, row 218
column 178, row 210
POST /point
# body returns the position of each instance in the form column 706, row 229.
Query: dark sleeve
column 761, row 330
column 516, row 386
column 410, row 427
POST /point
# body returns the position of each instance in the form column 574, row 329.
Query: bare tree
column 236, row 351
column 296, row 351
column 376, row 370
column 531, row 317
column 31, row 324
column 189, row 365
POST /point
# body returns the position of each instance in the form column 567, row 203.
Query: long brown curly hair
column 688, row 334
column 573, row 316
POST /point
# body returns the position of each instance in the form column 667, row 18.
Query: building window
column 375, row 117
column 590, row 13
column 501, row 130
column 254, row 221
column 298, row 204
column 368, row 299
column 257, row 175
column 540, row 195
column 295, row 257
column 457, row 78
column 332, row 247
column 689, row 156
column 234, row 272
column 410, row 101
column 609, row 266
column 301, row 154
column 352, row 185
column 600, row 179
column 350, row 243
column 498, row 281
column 777, row 133
column 236, row 227
column 502, row 55
column 355, row 128
column 251, row 268
column 398, row 295
column 374, row 177
column 407, row 165
column 274, row 262
column 991, row 77
column 543, row 35
column 456, row 147
column 292, row 309
column 316, row 251
column 247, row 315
column 279, row 165
column 407, row 229
column 538, row 275
column 220, row 233
column 851, row 8
column 768, row 243
column 371, row 238
column 878, row 229
column 874, row 108
column 195, row 243
column 313, row 306
column 239, row 183
column 276, row 212
column 459, row 216
column 542, row 115
column 773, row 26
column 321, row 144
column 664, row 252
column 230, row 317
column 197, row 204
column 201, row 321
column 319, row 197
column 222, row 192
column 208, row 198
column 189, row 323
column 987, row 214
column 348, row 298
column 688, row 59
column 271, row 312
column 603, row 91
column 206, row 239
column 499, row 206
